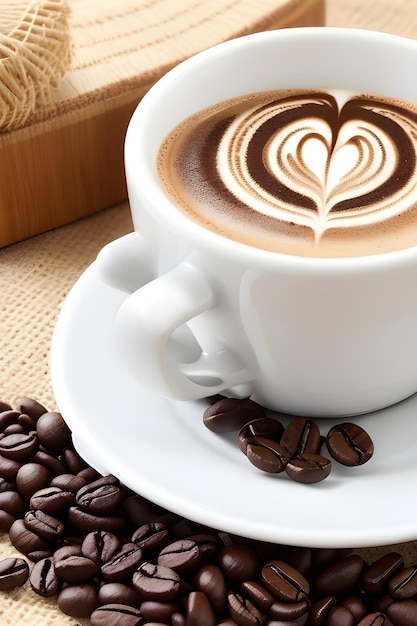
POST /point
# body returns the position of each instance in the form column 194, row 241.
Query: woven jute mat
column 36, row 275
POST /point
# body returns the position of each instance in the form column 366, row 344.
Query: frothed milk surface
column 321, row 174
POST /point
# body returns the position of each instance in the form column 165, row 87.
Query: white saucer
column 162, row 450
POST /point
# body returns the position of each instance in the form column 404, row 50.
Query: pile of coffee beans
column 299, row 449
column 108, row 554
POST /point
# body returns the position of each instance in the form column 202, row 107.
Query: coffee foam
column 329, row 173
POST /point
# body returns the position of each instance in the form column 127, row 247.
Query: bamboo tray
column 67, row 161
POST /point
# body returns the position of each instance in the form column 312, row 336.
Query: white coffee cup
column 207, row 315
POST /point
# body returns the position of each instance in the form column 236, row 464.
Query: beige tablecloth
column 36, row 275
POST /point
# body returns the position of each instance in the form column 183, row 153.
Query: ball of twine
column 35, row 51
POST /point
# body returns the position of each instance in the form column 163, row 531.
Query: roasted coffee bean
column 177, row 619
column 89, row 474
column 19, row 446
column 239, row 563
column 44, row 525
column 227, row 565
column 349, row 444
column 285, row 582
column 52, row 431
column 6, row 521
column 320, row 609
column 12, row 502
column 138, row 511
column 13, row 429
column 72, row 461
column 301, row 436
column 281, row 623
column 267, row 455
column 68, row 482
column 377, row 575
column 156, row 582
column 79, row 600
column 123, row 564
column 74, row 568
column 30, row 478
column 31, row 407
column 49, row 461
column 340, row 616
column 323, row 557
column 403, row 613
column 5, row 485
column 28, row 542
column 14, row 572
column 100, row 546
column 375, row 619
column 9, row 469
column 300, row 558
column 27, row 422
column 100, row 497
column 262, row 427
column 116, row 615
column 119, row 593
column 199, row 611
column 52, row 500
column 181, row 528
column 403, row 585
column 71, row 548
column 258, row 595
column 87, row 522
column 211, row 581
column 382, row 603
column 289, row 611
column 44, row 580
column 4, row 406
column 355, row 605
column 243, row 612
column 340, row 577
column 161, row 623
column 152, row 537
column 182, row 556
column 157, row 612
column 209, row 545
column 308, row 468
column 7, row 417
column 229, row 414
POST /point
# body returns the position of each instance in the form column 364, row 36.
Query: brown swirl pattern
column 305, row 163
column 309, row 162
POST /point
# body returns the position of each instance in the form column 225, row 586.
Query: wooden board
column 67, row 162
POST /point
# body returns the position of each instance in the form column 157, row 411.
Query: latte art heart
column 304, row 169
column 324, row 172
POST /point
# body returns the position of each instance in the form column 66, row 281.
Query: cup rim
column 192, row 230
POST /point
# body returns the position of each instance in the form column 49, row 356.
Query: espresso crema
column 320, row 174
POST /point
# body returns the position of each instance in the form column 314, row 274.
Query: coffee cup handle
column 124, row 263
column 162, row 357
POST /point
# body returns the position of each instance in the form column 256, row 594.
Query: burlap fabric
column 36, row 275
